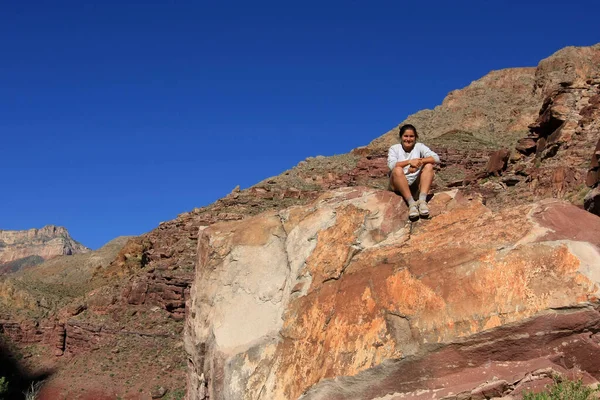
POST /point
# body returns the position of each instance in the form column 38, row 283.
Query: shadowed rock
column 19, row 380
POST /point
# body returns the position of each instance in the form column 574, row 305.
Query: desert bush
column 564, row 390
column 33, row 390
column 3, row 387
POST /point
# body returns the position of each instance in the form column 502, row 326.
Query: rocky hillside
column 20, row 249
column 54, row 283
column 497, row 109
column 395, row 311
column 508, row 141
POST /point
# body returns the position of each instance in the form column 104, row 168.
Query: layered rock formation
column 344, row 287
column 565, row 137
column 37, row 245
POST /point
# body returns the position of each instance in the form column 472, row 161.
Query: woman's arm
column 419, row 162
column 428, row 160
column 428, row 156
column 402, row 164
column 394, row 159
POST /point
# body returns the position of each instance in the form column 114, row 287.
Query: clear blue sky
column 116, row 115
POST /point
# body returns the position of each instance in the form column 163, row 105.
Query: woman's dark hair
column 407, row 127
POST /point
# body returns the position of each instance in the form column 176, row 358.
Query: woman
column 411, row 165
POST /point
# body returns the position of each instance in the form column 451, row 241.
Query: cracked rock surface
column 342, row 299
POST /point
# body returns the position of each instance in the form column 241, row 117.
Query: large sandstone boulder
column 342, row 299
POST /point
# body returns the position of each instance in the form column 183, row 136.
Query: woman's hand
column 415, row 163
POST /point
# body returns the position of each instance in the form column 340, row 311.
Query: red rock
column 592, row 201
column 526, row 145
column 593, row 175
column 497, row 162
column 496, row 388
column 136, row 293
column 564, row 221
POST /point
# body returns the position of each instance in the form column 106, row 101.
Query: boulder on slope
column 342, row 299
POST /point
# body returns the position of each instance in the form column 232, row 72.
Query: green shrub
column 177, row 394
column 3, row 387
column 564, row 390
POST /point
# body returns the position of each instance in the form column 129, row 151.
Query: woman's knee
column 397, row 172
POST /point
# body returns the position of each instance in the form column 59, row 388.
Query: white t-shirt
column 396, row 154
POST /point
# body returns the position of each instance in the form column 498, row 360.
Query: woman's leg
column 426, row 179
column 400, row 184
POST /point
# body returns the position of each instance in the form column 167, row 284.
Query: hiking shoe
column 413, row 210
column 423, row 209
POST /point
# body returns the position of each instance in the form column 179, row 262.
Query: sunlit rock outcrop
column 343, row 288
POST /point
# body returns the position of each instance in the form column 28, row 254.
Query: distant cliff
column 29, row 247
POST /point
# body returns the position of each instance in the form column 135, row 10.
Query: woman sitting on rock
column 411, row 166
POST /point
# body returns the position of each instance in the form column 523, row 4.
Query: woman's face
column 408, row 139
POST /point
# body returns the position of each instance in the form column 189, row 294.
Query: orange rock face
column 350, row 287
